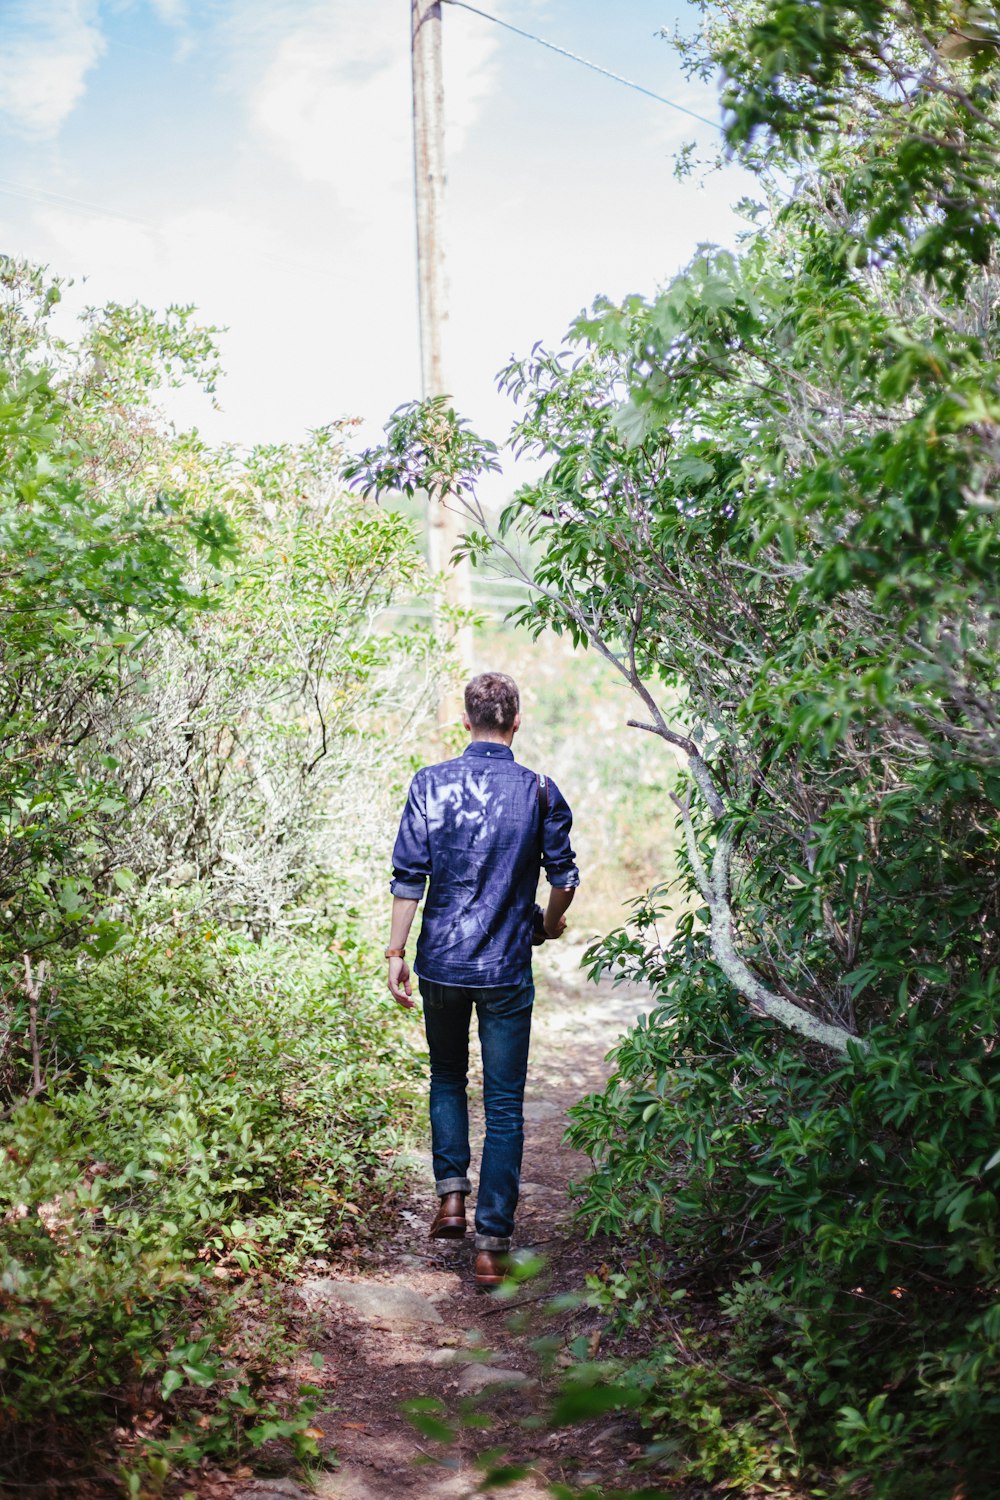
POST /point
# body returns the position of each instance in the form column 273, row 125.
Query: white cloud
column 170, row 12
column 335, row 100
column 49, row 48
column 299, row 347
column 470, row 49
column 83, row 242
column 199, row 254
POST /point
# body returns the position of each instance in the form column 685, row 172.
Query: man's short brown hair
column 492, row 702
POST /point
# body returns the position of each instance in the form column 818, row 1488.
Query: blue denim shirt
column 472, row 827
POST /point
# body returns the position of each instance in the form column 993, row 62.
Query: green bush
column 221, row 1107
column 864, row 1194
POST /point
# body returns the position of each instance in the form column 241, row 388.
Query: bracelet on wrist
column 395, row 953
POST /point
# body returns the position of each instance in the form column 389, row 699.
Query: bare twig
column 34, row 981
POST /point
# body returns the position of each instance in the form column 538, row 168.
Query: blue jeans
column 504, row 1014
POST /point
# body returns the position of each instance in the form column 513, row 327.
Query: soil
column 409, row 1323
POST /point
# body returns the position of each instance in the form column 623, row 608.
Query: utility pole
column 444, row 526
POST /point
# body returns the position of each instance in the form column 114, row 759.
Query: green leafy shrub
column 87, row 571
column 864, row 1191
column 222, row 1107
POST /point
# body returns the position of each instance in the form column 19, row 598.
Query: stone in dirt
column 272, row 1489
column 396, row 1306
column 478, row 1377
column 352, row 1484
column 541, row 1109
column 538, row 1190
column 346, row 1484
column 449, row 1357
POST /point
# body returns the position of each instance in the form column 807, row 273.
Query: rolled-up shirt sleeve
column 558, row 859
column 411, row 855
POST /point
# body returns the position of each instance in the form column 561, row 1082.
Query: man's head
column 492, row 707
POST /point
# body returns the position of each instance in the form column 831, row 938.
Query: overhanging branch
column 714, row 887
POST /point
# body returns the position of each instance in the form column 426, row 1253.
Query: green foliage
column 165, row 718
column 281, row 726
column 899, row 101
column 862, row 1191
column 223, row 1107
column 429, row 448
column 86, row 574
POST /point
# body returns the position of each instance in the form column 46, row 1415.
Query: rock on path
column 396, row 1305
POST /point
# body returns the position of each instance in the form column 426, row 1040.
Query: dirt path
column 412, row 1323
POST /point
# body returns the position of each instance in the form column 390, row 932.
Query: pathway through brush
column 413, row 1324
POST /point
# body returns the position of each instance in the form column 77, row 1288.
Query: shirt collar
column 490, row 748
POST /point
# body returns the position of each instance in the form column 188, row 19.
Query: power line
column 595, row 67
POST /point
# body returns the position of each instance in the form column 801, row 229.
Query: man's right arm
column 404, row 909
column 560, row 900
column 411, row 860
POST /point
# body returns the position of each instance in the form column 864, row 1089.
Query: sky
column 254, row 157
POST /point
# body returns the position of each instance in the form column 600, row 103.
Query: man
column 479, row 828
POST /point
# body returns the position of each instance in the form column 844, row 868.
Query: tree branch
column 791, row 1015
column 694, row 853
column 33, row 982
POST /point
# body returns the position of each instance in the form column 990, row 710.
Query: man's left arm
column 558, row 861
column 554, row 920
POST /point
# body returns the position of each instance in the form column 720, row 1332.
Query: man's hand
column 555, row 911
column 404, row 909
column 400, row 987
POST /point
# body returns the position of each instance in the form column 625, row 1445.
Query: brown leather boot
column 449, row 1221
column 492, row 1268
